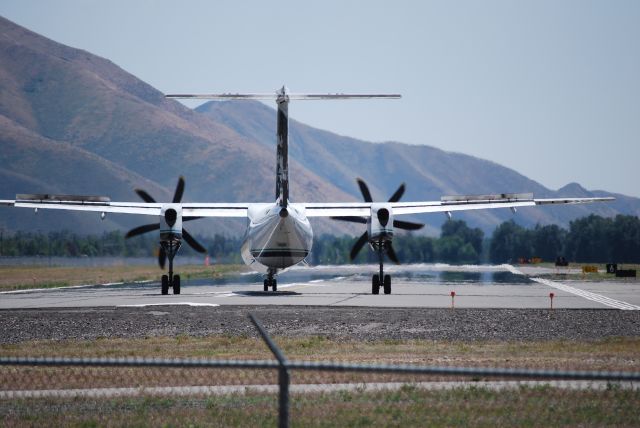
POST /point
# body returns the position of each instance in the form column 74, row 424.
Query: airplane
column 279, row 234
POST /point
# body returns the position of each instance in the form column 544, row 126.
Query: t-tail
column 282, row 98
column 282, row 150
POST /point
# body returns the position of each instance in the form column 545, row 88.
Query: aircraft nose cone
column 383, row 216
column 284, row 213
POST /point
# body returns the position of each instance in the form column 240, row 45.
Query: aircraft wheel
column 176, row 284
column 266, row 285
column 375, row 284
column 275, row 285
column 165, row 284
column 387, row 284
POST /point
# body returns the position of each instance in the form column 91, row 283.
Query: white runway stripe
column 618, row 304
column 607, row 301
column 144, row 305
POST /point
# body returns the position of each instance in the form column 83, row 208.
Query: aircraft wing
column 445, row 204
column 103, row 204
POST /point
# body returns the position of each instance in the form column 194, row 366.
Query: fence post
column 283, row 374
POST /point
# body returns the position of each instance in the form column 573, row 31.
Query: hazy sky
column 549, row 88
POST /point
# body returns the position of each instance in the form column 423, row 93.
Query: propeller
column 177, row 197
column 383, row 216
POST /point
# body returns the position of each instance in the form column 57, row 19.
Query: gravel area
column 342, row 323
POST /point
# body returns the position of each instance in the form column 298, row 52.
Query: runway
column 414, row 286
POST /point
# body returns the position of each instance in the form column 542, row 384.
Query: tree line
column 589, row 239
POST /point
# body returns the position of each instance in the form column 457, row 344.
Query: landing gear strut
column 380, row 280
column 270, row 281
column 171, row 280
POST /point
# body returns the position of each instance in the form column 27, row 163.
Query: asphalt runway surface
column 491, row 303
column 413, row 286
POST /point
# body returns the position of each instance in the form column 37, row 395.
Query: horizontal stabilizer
column 65, row 198
column 290, row 96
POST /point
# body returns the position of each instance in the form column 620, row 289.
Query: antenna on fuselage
column 282, row 98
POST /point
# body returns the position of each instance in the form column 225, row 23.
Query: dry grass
column 24, row 277
column 408, row 406
column 606, row 354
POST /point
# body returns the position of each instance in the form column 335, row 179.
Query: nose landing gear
column 270, row 281
column 171, row 249
column 380, row 279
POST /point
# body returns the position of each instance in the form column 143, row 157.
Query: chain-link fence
column 212, row 392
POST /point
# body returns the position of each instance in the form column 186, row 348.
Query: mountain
column 429, row 172
column 72, row 122
column 60, row 105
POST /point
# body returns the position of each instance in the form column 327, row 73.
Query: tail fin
column 282, row 98
column 282, row 150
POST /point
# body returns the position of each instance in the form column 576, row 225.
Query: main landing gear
column 171, row 280
column 270, row 281
column 380, row 279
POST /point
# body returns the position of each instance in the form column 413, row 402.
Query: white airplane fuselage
column 277, row 237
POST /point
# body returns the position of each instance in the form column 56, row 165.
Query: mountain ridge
column 427, row 165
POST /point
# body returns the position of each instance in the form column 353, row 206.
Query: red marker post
column 551, row 296
column 453, row 295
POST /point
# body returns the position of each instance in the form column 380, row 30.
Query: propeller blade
column 396, row 196
column 145, row 196
column 177, row 196
column 192, row 242
column 191, row 218
column 142, row 229
column 407, row 225
column 351, row 219
column 358, row 245
column 364, row 189
column 162, row 258
column 391, row 253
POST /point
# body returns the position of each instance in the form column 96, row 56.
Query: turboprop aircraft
column 279, row 234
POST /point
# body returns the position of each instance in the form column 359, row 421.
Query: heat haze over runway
column 423, row 286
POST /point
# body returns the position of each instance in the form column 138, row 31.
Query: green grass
column 407, row 406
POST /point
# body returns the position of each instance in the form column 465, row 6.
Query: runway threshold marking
column 618, row 304
column 607, row 301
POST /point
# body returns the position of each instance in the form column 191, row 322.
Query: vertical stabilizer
column 282, row 152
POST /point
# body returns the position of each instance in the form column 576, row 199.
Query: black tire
column 165, row 284
column 176, row 284
column 375, row 284
column 387, row 284
column 275, row 285
column 266, row 285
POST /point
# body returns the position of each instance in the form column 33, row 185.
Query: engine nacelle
column 381, row 223
column 171, row 222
